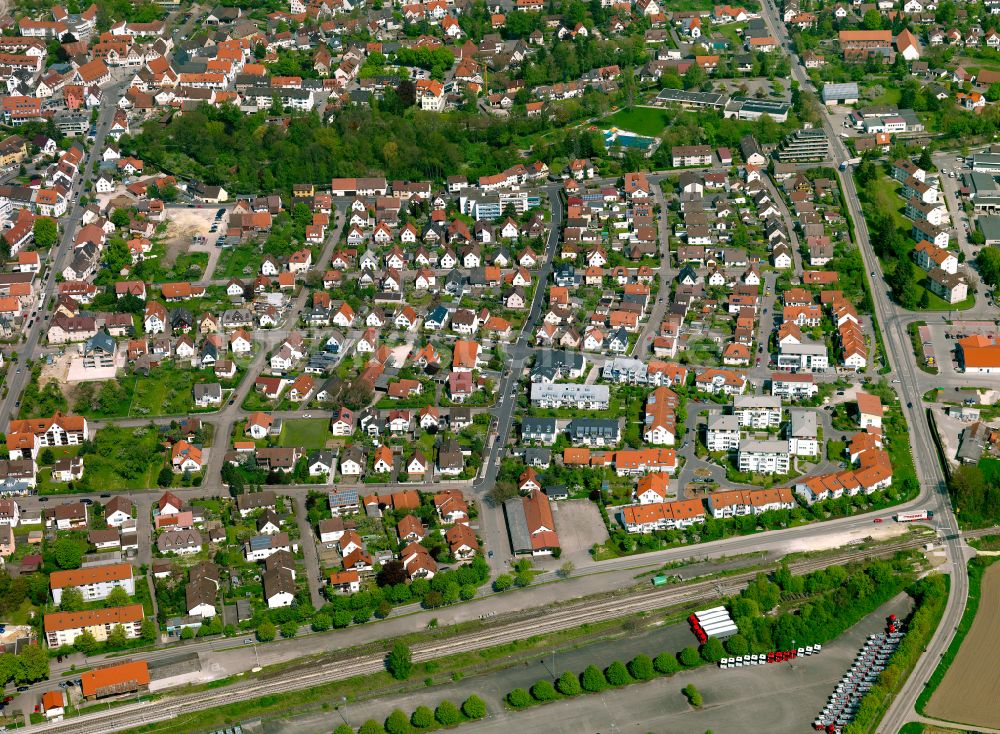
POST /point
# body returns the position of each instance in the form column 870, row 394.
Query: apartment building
column 94, row 582
column 723, row 432
column 757, row 411
column 764, row 457
column 62, row 628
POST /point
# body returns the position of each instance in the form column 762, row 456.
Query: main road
column 18, row 372
column 933, row 488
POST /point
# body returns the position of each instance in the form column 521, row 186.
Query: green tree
column 503, row 582
column 371, row 727
column 904, row 286
column 117, row 638
column 68, row 553
column 693, row 695
column 592, row 679
column 569, row 684
column 468, row 591
column 968, row 490
column 422, row 717
column 694, row 77
column 289, row 628
column 48, row 458
column 712, row 651
column 266, row 631
column 474, row 707
column 737, row 645
column 617, row 674
column 46, row 232
column 71, row 600
column 343, row 729
column 85, row 643
column 519, row 698
column 397, row 723
column 872, row 20
column 33, row 664
column 116, row 256
column 543, row 691
column 321, row 622
column 187, row 633
column 117, row 598
column 641, row 667
column 666, row 663
column 166, row 477
column 148, row 631
column 38, row 589
column 689, row 657
column 447, row 714
column 121, row 218
column 9, row 667
column 924, row 161
column 399, row 662
column 988, row 262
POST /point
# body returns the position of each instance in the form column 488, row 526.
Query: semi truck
column 849, row 162
column 914, row 516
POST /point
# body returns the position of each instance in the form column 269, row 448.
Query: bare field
column 968, row 693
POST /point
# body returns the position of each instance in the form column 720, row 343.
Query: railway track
column 504, row 631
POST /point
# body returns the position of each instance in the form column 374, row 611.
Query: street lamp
column 343, row 701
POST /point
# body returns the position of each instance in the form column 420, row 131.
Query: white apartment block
column 757, row 411
column 62, row 628
column 723, row 432
column 559, row 395
column 803, row 433
column 94, row 582
column 764, row 457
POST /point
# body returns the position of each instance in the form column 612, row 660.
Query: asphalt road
column 18, row 373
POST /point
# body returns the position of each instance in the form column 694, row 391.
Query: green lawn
column 242, row 261
column 309, row 433
column 168, row 391
column 641, row 120
column 974, row 65
column 936, row 303
column 123, row 458
column 890, row 96
column 887, row 199
column 186, row 266
column 991, row 470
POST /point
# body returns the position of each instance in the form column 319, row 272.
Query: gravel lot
column 579, row 525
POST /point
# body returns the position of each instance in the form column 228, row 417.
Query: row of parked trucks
column 778, row 656
column 871, row 660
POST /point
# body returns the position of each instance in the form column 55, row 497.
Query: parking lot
column 944, row 336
